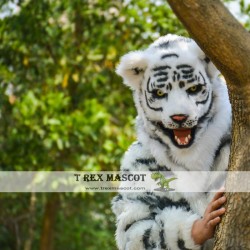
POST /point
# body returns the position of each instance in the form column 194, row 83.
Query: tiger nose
column 179, row 118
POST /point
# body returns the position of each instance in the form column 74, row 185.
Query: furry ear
column 211, row 70
column 132, row 67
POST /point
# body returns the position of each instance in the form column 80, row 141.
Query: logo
column 163, row 182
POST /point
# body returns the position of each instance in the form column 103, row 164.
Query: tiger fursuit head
column 183, row 124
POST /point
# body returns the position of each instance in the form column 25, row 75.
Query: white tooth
column 186, row 140
column 178, row 140
column 189, row 136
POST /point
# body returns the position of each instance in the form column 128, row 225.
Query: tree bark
column 31, row 230
column 47, row 235
column 227, row 44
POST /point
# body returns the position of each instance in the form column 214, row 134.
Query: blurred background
column 63, row 108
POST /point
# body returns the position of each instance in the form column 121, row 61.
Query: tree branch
column 218, row 33
column 227, row 44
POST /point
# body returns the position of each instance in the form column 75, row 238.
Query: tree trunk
column 32, row 208
column 227, row 44
column 50, row 212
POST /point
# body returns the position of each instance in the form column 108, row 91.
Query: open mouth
column 181, row 137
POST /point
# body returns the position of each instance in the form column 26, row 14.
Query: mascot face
column 172, row 89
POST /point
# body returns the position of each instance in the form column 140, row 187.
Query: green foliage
column 243, row 14
column 63, row 107
column 90, row 229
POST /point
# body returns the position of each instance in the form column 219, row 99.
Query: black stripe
column 181, row 84
column 151, row 217
column 155, row 109
column 207, row 60
column 187, row 76
column 136, row 143
column 160, row 85
column 161, row 73
column 204, row 117
column 181, row 245
column 161, row 68
column 203, row 102
column 159, row 168
column 117, row 198
column 155, row 202
column 137, row 70
column 150, row 200
column 187, row 71
column 225, row 141
column 165, row 202
column 183, row 66
column 158, row 139
column 191, row 80
column 163, row 168
column 169, row 87
column 164, row 45
column 169, row 55
column 151, row 100
column 146, row 242
column 203, row 78
column 162, row 79
column 161, row 127
column 162, row 239
column 146, row 161
column 148, row 85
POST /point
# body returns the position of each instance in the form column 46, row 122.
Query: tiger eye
column 193, row 89
column 160, row 92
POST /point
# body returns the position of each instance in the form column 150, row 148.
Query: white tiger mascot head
column 175, row 86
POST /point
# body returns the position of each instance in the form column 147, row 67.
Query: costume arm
column 146, row 221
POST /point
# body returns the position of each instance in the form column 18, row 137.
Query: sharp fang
column 186, row 140
column 189, row 136
column 178, row 140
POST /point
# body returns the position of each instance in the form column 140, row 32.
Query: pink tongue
column 181, row 134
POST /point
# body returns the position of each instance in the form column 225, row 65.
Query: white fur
column 182, row 222
column 131, row 212
column 135, row 59
column 136, row 68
